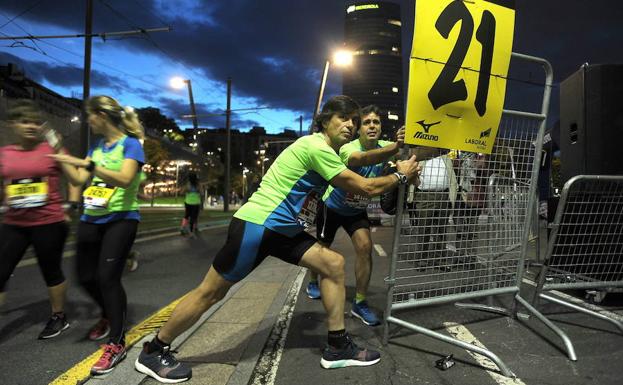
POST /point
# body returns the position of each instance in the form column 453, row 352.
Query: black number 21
column 446, row 89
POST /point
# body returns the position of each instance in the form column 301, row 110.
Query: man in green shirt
column 340, row 208
column 268, row 225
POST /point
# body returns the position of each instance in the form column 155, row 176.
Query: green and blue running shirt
column 343, row 202
column 306, row 165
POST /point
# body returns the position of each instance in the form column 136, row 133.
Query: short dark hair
column 25, row 109
column 336, row 105
column 372, row 108
column 192, row 179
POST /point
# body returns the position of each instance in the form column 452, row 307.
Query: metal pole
column 177, row 177
column 301, row 125
column 192, row 104
column 227, row 146
column 86, row 81
column 323, row 82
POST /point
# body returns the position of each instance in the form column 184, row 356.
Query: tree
column 155, row 155
column 153, row 119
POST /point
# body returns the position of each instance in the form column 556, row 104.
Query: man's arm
column 377, row 155
column 374, row 156
column 369, row 187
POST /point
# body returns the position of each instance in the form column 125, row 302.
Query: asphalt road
column 168, row 268
column 529, row 349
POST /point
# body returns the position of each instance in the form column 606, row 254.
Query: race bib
column 98, row 195
column 357, row 201
column 307, row 216
column 27, row 193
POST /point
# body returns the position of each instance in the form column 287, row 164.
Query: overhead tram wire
column 148, row 37
column 151, row 11
column 81, row 56
column 39, row 51
column 33, row 5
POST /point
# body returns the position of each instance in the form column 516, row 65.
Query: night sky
column 274, row 51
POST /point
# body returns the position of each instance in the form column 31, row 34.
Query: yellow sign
column 459, row 62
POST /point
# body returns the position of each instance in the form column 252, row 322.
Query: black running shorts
column 248, row 244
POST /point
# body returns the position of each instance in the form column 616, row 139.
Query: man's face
column 370, row 126
column 341, row 127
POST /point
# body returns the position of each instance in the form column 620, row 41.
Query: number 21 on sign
column 457, row 73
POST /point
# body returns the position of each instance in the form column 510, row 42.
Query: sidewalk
column 224, row 345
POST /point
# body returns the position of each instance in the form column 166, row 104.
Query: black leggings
column 192, row 213
column 101, row 252
column 48, row 241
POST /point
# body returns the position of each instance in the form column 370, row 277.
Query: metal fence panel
column 464, row 234
column 586, row 247
column 463, row 229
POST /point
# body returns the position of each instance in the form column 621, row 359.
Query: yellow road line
column 82, row 370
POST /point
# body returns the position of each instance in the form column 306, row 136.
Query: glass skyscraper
column 373, row 33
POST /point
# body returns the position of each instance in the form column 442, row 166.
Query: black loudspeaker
column 591, row 121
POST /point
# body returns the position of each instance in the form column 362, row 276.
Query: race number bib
column 98, row 195
column 307, row 216
column 356, row 201
column 27, row 193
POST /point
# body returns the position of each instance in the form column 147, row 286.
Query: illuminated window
column 391, row 116
column 373, row 52
column 395, row 49
column 395, row 89
column 394, row 22
column 375, row 93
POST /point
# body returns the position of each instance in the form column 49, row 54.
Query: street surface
column 171, row 265
column 168, row 268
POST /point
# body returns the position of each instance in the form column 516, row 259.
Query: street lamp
column 261, row 153
column 244, row 182
column 178, row 83
column 341, row 58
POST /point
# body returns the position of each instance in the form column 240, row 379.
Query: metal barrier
column 585, row 249
column 469, row 242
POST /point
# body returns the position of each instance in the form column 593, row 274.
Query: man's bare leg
column 211, row 290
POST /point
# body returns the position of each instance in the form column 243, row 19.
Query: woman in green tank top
column 193, row 202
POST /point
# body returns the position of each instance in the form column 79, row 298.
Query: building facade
column 372, row 31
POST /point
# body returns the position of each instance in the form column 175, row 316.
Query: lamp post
column 261, row 153
column 178, row 83
column 244, row 182
column 341, row 58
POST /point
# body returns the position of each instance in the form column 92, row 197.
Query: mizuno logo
column 426, row 126
column 486, row 133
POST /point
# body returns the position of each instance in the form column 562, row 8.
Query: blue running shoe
column 350, row 355
column 362, row 311
column 313, row 290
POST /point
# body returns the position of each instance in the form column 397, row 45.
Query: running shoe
column 313, row 290
column 162, row 365
column 112, row 355
column 100, row 330
column 350, row 355
column 132, row 264
column 362, row 311
column 56, row 324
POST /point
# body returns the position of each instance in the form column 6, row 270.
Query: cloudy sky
column 274, row 50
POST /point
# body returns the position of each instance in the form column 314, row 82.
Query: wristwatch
column 402, row 178
column 90, row 167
